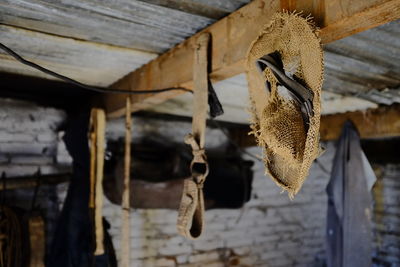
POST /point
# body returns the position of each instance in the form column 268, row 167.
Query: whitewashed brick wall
column 28, row 138
column 387, row 216
column 270, row 230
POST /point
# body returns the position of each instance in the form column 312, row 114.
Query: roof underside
column 98, row 42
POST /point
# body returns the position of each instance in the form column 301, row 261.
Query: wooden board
column 372, row 123
column 231, row 38
column 88, row 62
column 124, row 23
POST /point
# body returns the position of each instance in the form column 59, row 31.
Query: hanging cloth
column 97, row 144
column 73, row 240
column 191, row 211
column 284, row 70
column 349, row 233
column 125, row 204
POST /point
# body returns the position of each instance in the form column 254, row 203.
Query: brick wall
column 387, row 216
column 28, row 142
column 270, row 230
column 28, row 138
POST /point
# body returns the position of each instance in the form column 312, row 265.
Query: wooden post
column 98, row 123
column 125, row 231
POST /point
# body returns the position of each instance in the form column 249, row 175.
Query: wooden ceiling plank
column 88, row 62
column 231, row 38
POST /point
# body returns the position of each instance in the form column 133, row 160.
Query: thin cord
column 82, row 85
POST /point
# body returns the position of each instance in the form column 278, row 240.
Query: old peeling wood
column 88, row 62
column 32, row 181
column 126, row 23
column 372, row 123
column 231, row 38
column 365, row 14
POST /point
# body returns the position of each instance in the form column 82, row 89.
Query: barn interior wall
column 270, row 230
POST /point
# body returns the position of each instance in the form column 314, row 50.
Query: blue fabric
column 349, row 234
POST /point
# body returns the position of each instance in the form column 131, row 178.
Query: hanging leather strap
column 191, row 211
column 125, row 232
column 97, row 143
column 301, row 94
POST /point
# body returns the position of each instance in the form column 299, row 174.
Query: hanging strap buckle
column 191, row 210
column 199, row 165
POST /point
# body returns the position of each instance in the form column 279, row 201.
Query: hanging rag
column 284, row 69
column 349, row 231
column 191, row 211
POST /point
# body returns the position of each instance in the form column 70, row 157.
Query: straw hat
column 284, row 69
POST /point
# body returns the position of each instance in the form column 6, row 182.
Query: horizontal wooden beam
column 12, row 183
column 231, row 38
column 372, row 123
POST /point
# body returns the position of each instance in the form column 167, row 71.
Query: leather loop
column 191, row 211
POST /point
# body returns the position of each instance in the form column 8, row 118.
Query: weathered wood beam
column 32, row 181
column 372, row 123
column 231, row 38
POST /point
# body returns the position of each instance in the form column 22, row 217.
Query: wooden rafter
column 372, row 123
column 231, row 37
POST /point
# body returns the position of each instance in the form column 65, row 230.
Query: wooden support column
column 231, row 38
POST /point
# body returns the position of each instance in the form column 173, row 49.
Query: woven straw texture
column 277, row 123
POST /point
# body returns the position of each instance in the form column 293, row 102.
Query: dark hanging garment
column 73, row 242
column 349, row 234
